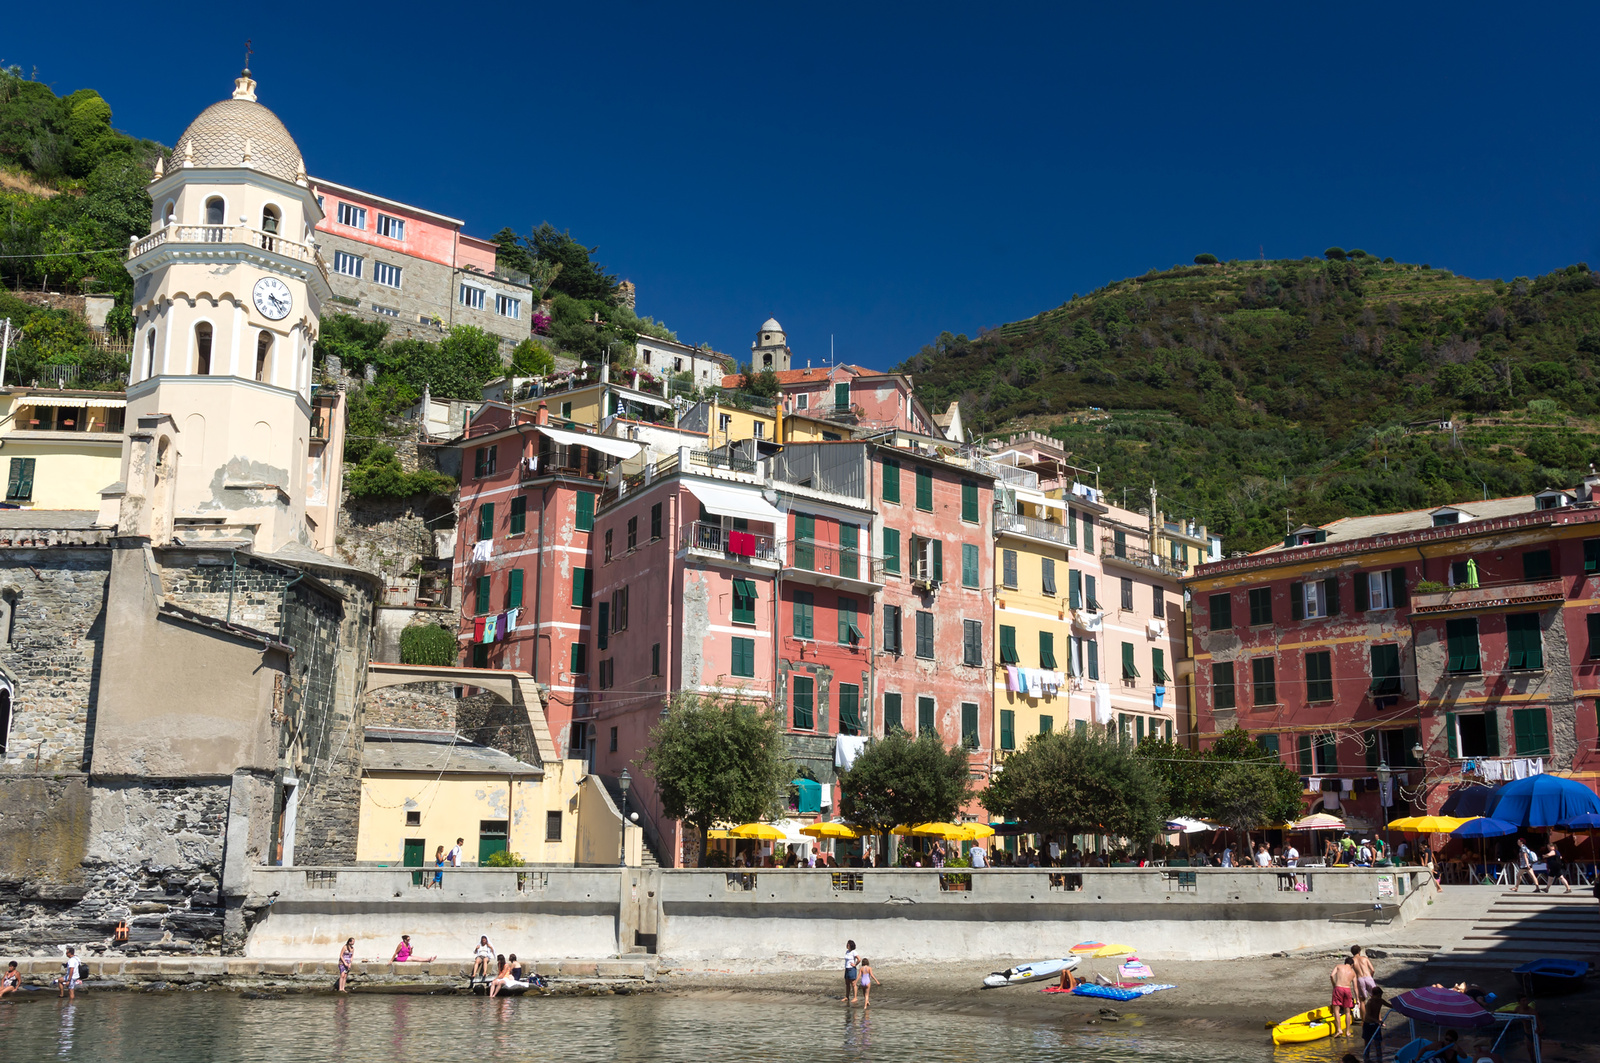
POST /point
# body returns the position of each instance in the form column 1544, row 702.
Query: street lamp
column 1385, row 799
column 624, row 781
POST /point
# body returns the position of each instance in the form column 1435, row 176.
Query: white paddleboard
column 1030, row 972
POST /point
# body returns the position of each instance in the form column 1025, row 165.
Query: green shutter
column 1462, row 638
column 486, row 521
column 1129, row 670
column 1532, row 730
column 482, row 602
column 925, row 490
column 1451, row 749
column 969, row 565
column 803, row 602
column 585, row 511
column 1158, row 666
column 849, row 559
column 744, row 601
column 1047, row 650
column 925, row 723
column 1091, row 656
column 969, row 725
column 1591, row 555
column 579, row 659
column 804, row 694
column 20, row 486
column 969, row 501
column 1303, row 748
column 519, row 515
column 891, row 480
column 1008, row 729
column 1074, row 588
column 1046, row 724
column 1491, row 732
column 1373, row 742
column 744, row 658
column 1008, row 644
column 514, row 589
column 891, row 714
column 581, row 588
column 891, row 550
column 1385, row 669
column 1523, row 642
column 805, row 536
column 849, row 708
column 938, row 560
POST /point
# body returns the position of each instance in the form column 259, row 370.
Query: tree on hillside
column 717, row 761
column 532, row 358
column 1205, row 260
column 553, row 256
column 1335, row 254
column 898, row 779
column 1080, row 783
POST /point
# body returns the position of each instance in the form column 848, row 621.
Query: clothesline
column 496, row 627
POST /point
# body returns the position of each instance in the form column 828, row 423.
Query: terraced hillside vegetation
column 1260, row 394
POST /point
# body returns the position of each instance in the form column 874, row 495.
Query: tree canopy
column 717, row 760
column 1237, row 782
column 898, row 779
column 1080, row 782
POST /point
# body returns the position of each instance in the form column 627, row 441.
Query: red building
column 853, row 395
column 1460, row 643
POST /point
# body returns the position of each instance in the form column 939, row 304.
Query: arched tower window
column 169, row 213
column 202, row 349
column 214, row 217
column 263, row 351
column 269, row 228
column 150, row 353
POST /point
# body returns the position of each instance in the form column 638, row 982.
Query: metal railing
column 717, row 459
column 707, row 537
column 825, row 559
column 1038, row 529
column 1132, row 554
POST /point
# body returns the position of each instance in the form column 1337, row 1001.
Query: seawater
column 114, row 1027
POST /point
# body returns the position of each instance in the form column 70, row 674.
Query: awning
column 727, row 501
column 72, row 402
column 629, row 394
column 617, row 448
column 1038, row 498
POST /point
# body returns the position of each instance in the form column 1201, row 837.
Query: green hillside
column 1306, row 390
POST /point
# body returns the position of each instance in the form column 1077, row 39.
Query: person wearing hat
column 1364, row 853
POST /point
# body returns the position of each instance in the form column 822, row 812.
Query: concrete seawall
column 703, row 918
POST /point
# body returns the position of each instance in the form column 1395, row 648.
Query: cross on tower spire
column 247, row 54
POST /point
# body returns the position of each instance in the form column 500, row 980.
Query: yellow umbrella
column 719, row 834
column 765, row 832
column 1429, row 824
column 973, row 831
column 940, row 830
column 1113, row 950
column 832, row 830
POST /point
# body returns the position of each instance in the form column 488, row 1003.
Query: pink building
column 853, row 395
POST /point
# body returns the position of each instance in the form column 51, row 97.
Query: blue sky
column 878, row 173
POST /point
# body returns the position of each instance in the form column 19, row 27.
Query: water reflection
column 220, row 1028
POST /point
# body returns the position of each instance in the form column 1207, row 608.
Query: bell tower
column 770, row 349
column 228, row 291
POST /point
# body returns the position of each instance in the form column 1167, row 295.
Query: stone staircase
column 1523, row 926
column 647, row 849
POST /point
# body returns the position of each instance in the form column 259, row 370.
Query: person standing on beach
column 347, row 957
column 1366, row 977
column 1343, row 977
column 1372, row 1024
column 73, row 978
column 867, row 980
column 851, row 960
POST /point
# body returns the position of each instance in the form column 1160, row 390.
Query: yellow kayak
column 1307, row 1026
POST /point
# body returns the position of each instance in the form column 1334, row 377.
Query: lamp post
column 624, row 781
column 1385, row 799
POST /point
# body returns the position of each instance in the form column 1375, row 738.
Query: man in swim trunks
column 1366, row 977
column 1343, row 978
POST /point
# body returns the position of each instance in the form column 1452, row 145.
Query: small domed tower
column 770, row 349
column 228, row 291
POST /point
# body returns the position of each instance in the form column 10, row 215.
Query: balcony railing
column 1130, row 554
column 708, row 538
column 1033, row 526
column 228, row 234
column 827, row 561
column 1488, row 596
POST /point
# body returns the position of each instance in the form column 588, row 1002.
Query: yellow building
column 62, row 448
column 1032, row 619
column 424, row 789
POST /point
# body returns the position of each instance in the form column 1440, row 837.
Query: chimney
column 543, row 416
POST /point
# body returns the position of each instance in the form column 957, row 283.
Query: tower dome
column 771, row 325
column 241, row 132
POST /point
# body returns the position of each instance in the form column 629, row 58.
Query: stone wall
column 422, row 706
column 392, row 536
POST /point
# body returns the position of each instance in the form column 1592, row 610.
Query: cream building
column 59, row 448
column 224, row 439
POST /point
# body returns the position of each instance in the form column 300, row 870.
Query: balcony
column 1032, row 527
column 828, row 566
column 1487, row 597
column 710, row 540
column 224, row 235
column 1140, row 557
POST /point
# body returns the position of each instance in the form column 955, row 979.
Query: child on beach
column 347, row 957
column 12, row 981
column 867, row 979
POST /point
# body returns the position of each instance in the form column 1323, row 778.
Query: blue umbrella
column 1589, row 821
column 1470, row 801
column 1485, row 828
column 1541, row 801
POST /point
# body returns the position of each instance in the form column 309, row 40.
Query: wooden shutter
column 891, row 550
column 1297, row 601
column 1008, row 644
column 1074, row 588
column 969, row 501
column 1047, row 650
column 938, row 560
column 1397, row 588
column 602, row 639
column 486, row 521
column 1451, row 748
column 1330, row 595
column 514, row 589
column 585, row 519
column 1363, row 595
column 891, row 481
column 1491, row 732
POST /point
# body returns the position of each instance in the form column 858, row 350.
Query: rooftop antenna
column 1263, row 252
column 830, row 350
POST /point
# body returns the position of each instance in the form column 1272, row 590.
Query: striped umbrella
column 1442, row 1007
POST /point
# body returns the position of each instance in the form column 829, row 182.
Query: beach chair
column 1412, row 1052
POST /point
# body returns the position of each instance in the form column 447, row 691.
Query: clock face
column 273, row 298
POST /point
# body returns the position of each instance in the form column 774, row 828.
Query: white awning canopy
column 73, row 401
column 1038, row 498
column 635, row 395
column 617, row 448
column 728, row 501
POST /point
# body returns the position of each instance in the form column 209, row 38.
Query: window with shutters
column 602, row 630
column 1046, row 724
column 1072, row 526
column 1158, row 602
column 1327, row 749
column 582, row 587
column 891, row 481
column 1314, row 599
column 1461, row 636
column 1591, row 556
column 805, row 537
column 744, row 658
column 1074, row 588
column 1260, row 606
column 804, row 604
column 484, row 461
column 1129, row 669
column 1008, row 568
column 849, row 709
column 891, row 714
column 1091, row 657
column 925, row 721
column 585, row 518
column 486, row 521
column 481, row 598
column 849, row 551
column 928, row 556
column 1222, row 695
column 1158, row 666
column 1303, row 755
column 607, row 556
column 925, row 490
column 1047, row 576
column 1531, row 732
column 1524, row 645
column 619, row 609
column 1263, row 681
column 1592, row 620
column 925, row 634
column 1008, row 645
column 655, row 659
column 633, row 533
column 480, row 655
column 1088, row 532
column 1473, row 734
column 891, row 551
column 1047, row 650
column 849, row 631
column 969, row 501
column 744, row 601
column 1008, row 729
column 1385, row 670
column 969, row 724
column 891, row 630
column 1536, row 564
column 1319, row 676
column 1090, row 600
column 1127, row 594
column 19, row 485
column 803, row 696
column 519, row 515
column 1221, row 612
column 514, row 589
column 1119, row 543
column 972, row 643
column 655, row 521
column 580, row 659
column 969, row 565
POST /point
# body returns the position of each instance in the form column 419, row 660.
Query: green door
column 491, row 838
column 413, row 858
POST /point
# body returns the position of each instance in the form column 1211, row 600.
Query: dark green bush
column 427, row 644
